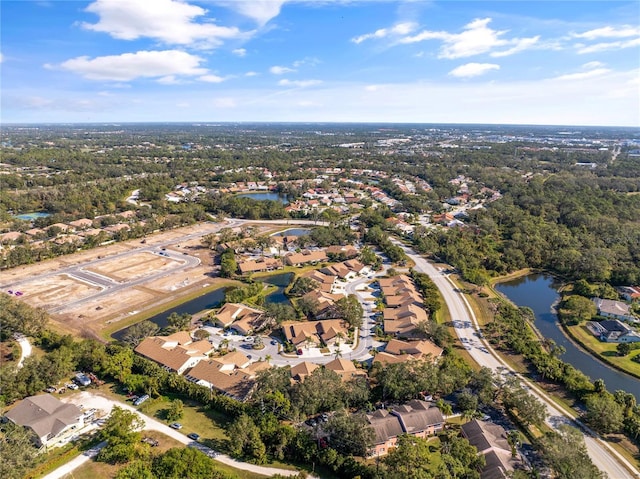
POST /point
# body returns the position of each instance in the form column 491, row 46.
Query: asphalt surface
column 466, row 327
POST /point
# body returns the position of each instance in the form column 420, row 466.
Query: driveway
column 88, row 400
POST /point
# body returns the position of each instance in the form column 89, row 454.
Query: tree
column 623, row 349
column 350, row 434
column 228, row 264
column 176, row 410
column 467, row 401
column 350, row 309
column 201, row 334
column 136, row 470
column 604, row 414
column 179, row 322
column 120, row 432
column 244, row 439
column 302, row 286
column 411, row 459
column 575, row 309
column 529, row 410
column 16, row 450
column 460, row 458
column 184, row 462
column 565, row 452
column 136, row 333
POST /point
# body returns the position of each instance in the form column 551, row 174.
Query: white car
column 72, row 386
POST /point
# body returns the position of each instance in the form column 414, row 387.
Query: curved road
column 603, row 455
column 90, row 400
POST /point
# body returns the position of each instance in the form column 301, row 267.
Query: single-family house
column 236, row 383
column 325, row 281
column 342, row 252
column 629, row 293
column 81, row 224
column 262, row 264
column 315, row 333
column 398, row 351
column 491, row 441
column 176, row 352
column 612, row 331
column 241, row 317
column 302, row 370
column 50, row 420
column 402, row 321
column 613, row 309
column 345, row 369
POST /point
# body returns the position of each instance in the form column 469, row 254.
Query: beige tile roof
column 263, row 264
column 174, row 352
column 245, row 316
column 297, row 332
column 305, row 257
column 238, row 383
column 302, row 370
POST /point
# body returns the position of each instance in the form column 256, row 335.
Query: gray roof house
column 612, row 331
column 613, row 309
column 50, row 419
column 491, row 441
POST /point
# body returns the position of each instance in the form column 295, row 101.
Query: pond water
column 539, row 292
column 293, row 232
column 206, row 301
column 32, row 216
column 266, row 195
column 280, row 280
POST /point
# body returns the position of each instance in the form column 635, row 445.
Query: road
column 103, row 404
column 25, row 349
column 466, row 327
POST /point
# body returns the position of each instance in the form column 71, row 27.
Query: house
column 236, row 383
column 325, row 281
column 50, row 420
column 262, row 264
column 176, row 352
column 417, row 418
column 345, row 369
column 491, row 441
column 398, row 351
column 403, row 321
column 314, row 333
column 612, row 331
column 302, row 370
column 613, row 309
column 305, row 257
column 243, row 318
column 324, row 303
column 342, row 252
column 629, row 293
column 81, row 224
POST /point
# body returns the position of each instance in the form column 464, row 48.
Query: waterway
column 539, row 292
column 206, row 301
column 263, row 196
column 32, row 216
column 280, row 280
column 293, row 232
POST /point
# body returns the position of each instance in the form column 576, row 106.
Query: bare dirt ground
column 45, row 291
column 87, row 314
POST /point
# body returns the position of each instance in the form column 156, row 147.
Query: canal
column 539, row 292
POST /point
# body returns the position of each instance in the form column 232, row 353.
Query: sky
column 416, row 61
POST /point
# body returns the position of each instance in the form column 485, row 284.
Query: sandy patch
column 53, row 291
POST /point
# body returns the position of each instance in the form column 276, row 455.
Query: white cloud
column 169, row 21
column 143, row 64
column 591, row 65
column 584, row 75
column 476, row 38
column 1, row 58
column 259, row 10
column 241, row 52
column 397, row 30
column 298, row 83
column 604, row 46
column 469, row 70
column 211, row 78
column 279, row 70
column 169, row 80
column 609, row 32
column 251, row 74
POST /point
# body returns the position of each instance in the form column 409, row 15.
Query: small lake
column 293, row 232
column 281, row 280
column 539, row 292
column 32, row 216
column 264, row 196
column 206, row 301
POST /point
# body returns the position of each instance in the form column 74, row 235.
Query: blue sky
column 542, row 62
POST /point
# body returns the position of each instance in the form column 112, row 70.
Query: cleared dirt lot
column 134, row 266
column 51, row 291
column 143, row 280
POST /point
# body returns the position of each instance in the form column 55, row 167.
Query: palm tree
column 338, row 353
column 267, row 358
column 444, row 407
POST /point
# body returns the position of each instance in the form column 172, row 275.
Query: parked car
column 193, row 436
column 72, row 386
column 175, row 425
column 299, row 352
column 51, row 389
column 82, row 379
column 140, row 400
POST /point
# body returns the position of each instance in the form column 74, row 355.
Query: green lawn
column 607, row 351
column 209, row 424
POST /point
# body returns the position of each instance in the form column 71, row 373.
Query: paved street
column 466, row 327
column 104, row 405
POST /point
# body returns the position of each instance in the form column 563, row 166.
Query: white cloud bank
column 473, row 69
column 130, row 66
column 169, row 21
